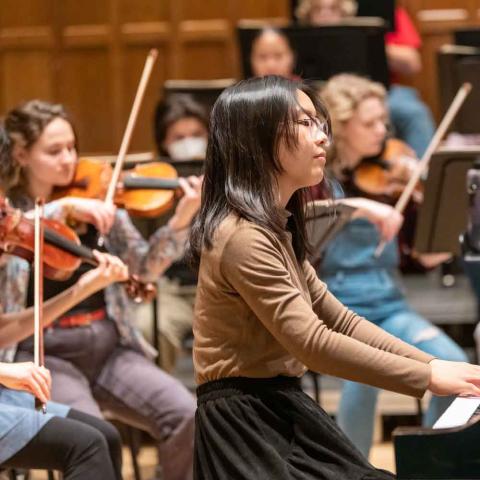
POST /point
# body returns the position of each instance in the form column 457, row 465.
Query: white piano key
column 458, row 413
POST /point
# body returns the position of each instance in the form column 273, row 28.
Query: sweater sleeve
column 253, row 266
column 339, row 318
column 147, row 259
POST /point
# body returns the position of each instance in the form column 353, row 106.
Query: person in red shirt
column 410, row 117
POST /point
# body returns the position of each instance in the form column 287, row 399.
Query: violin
column 384, row 178
column 422, row 166
column 62, row 251
column 147, row 190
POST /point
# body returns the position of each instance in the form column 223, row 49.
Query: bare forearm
column 404, row 60
column 17, row 326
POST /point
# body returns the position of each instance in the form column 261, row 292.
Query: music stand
column 373, row 8
column 185, row 168
column 443, row 215
column 356, row 45
column 324, row 220
column 467, row 36
column 205, row 92
column 458, row 64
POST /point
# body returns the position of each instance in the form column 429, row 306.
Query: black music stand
column 205, row 92
column 443, row 216
column 467, row 36
column 324, row 221
column 458, row 64
column 354, row 46
column 185, row 168
column 373, row 8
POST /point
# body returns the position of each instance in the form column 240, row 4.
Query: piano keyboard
column 461, row 411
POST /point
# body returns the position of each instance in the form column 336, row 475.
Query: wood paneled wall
column 436, row 20
column 89, row 55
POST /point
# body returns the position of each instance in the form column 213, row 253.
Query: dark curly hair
column 174, row 108
column 24, row 125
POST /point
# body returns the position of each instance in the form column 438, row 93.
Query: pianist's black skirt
column 259, row 429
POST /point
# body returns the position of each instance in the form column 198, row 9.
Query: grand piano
column 449, row 450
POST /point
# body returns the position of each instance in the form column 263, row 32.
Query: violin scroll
column 140, row 292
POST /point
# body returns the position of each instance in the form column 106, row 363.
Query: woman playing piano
column 262, row 317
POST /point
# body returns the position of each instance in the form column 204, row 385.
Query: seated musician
column 77, row 444
column 410, row 116
column 368, row 285
column 96, row 358
column 180, row 130
column 272, row 54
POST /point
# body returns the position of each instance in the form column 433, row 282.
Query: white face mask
column 188, row 148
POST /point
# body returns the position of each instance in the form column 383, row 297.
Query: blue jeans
column 411, row 118
column 372, row 288
column 357, row 406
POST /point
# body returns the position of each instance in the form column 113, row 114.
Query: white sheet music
column 458, row 413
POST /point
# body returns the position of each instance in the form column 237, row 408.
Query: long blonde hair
column 348, row 8
column 342, row 95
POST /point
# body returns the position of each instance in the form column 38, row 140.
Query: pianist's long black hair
column 246, row 124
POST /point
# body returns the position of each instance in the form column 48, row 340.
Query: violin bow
column 448, row 118
column 38, row 292
column 142, row 85
column 127, row 136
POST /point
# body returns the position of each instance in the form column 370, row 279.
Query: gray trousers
column 92, row 373
column 175, row 314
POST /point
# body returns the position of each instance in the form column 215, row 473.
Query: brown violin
column 385, row 178
column 62, row 251
column 422, row 166
column 147, row 190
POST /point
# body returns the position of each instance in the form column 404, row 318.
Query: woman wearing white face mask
column 180, row 129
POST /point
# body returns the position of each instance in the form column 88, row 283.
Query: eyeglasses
column 315, row 126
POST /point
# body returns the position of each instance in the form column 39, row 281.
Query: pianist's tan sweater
column 260, row 314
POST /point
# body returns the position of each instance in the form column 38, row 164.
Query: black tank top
column 53, row 287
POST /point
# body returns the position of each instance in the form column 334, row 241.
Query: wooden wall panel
column 86, row 12
column 216, row 54
column 261, row 9
column 27, row 41
column 25, row 75
column 89, row 55
column 436, row 20
column 144, row 11
column 135, row 58
column 84, row 88
column 143, row 25
column 204, row 10
column 85, row 69
column 24, row 13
